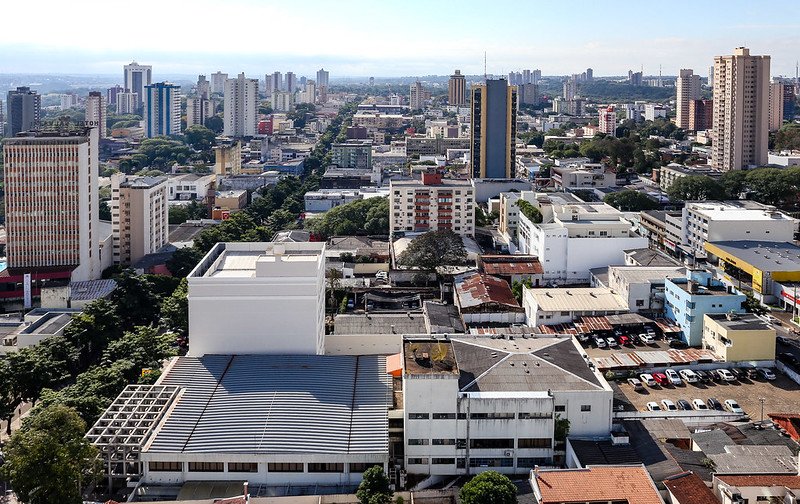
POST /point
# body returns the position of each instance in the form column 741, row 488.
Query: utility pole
column 762, row 400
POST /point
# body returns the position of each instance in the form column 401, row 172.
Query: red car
column 624, row 340
column 661, row 379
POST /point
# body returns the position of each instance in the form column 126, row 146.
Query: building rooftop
column 418, row 183
column 688, row 487
column 739, row 321
column 765, row 256
column 91, row 289
column 577, row 299
column 643, row 274
column 429, row 357
column 755, row 459
column 595, row 483
column 603, row 452
column 737, row 211
column 241, row 259
column 763, row 480
column 508, row 265
column 475, row 290
column 362, row 245
column 379, row 323
column 134, row 182
column 276, row 404
column 441, row 318
column 650, row 257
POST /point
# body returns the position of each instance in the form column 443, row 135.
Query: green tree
column 433, row 249
column 183, row 261
column 178, row 215
column 489, row 487
column 215, row 124
column 175, row 310
column 374, row 487
column 769, row 186
column 752, row 305
column 199, row 137
column 530, row 211
column 630, row 201
column 696, row 188
column 788, row 137
column 517, row 288
column 734, row 183
column 49, row 460
column 361, row 217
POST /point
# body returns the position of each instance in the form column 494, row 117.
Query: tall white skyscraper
column 52, row 209
column 137, row 77
column 276, row 82
column 96, row 112
column 241, row 106
column 741, row 110
column 218, row 82
column 688, row 89
column 322, row 77
column 127, row 103
column 162, row 112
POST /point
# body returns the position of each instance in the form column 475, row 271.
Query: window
column 462, row 416
column 443, row 442
column 417, row 461
column 491, row 416
column 325, row 467
column 418, row 416
column 586, row 407
column 243, row 467
column 443, row 461
column 444, row 416
column 534, row 443
column 531, row 462
column 206, row 467
column 530, row 416
column 461, row 463
column 418, row 442
column 165, row 466
column 491, row 443
column 560, row 408
column 360, row 467
column 285, row 467
column 639, row 303
column 491, row 462
column 461, row 444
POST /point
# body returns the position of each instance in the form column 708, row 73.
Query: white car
column 766, row 373
column 689, row 376
column 646, row 339
column 699, row 405
column 668, row 405
column 652, row 406
column 648, row 380
column 612, row 342
column 725, row 375
column 673, row 377
column 733, row 407
column 600, row 342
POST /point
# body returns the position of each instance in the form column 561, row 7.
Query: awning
column 394, row 365
column 593, row 324
column 627, row 319
column 667, row 326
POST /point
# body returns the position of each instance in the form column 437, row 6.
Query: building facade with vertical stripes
column 493, row 129
column 162, row 109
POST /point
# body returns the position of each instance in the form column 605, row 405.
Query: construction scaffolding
column 126, row 426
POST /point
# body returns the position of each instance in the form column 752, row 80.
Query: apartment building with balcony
column 431, row 204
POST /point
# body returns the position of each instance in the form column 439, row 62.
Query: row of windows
column 523, row 415
column 252, row 467
column 487, row 443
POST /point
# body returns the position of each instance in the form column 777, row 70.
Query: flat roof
column 762, row 255
column 429, row 357
column 577, row 299
column 643, row 274
column 262, row 404
column 238, row 259
column 379, row 323
column 733, row 211
column 650, row 257
column 739, row 321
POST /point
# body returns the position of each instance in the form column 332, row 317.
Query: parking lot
column 781, row 395
column 593, row 351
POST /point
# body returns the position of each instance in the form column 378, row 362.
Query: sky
column 361, row 38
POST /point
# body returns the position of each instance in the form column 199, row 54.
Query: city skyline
column 559, row 39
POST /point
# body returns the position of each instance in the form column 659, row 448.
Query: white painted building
column 642, row 287
column 241, row 106
column 560, row 306
column 477, row 404
column 258, row 297
column 583, row 176
column 323, row 200
column 431, row 204
column 188, row 186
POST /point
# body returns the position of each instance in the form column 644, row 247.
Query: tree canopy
column 630, row 201
column 531, row 212
column 694, row 188
column 199, row 137
column 770, row 186
column 374, row 487
column 489, row 487
column 362, row 217
column 788, row 137
column 433, row 249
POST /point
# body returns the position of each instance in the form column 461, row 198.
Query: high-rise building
column 537, row 76
column 589, row 74
column 24, row 109
column 789, row 98
column 198, row 110
column 607, row 122
column 127, row 103
column 526, row 77
column 457, row 89
column 139, row 216
column 203, row 87
column 776, row 96
column 711, row 76
column 438, row 204
column 276, row 82
column 493, row 129
column 241, row 106
column 162, row 113
column 112, row 92
column 416, row 96
column 688, row 89
column 634, row 78
column 528, row 94
column 52, row 208
column 322, row 77
column 570, row 88
column 96, row 112
column 137, row 77
column 371, row 81
column 291, row 82
column 282, row 101
column 701, row 115
column 741, row 110
column 218, row 82
column 309, row 92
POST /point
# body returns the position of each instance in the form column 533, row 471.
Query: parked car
column 612, row 342
column 600, row 342
column 683, row 404
column 689, row 376
column 733, row 407
column 668, row 405
column 766, row 373
column 652, row 406
column 788, row 358
column 703, row 376
column 646, row 339
column 673, row 377
column 725, row 375
column 752, row 373
column 636, row 384
column 677, row 343
column 738, row 373
column 650, row 331
column 624, row 340
column 714, row 404
column 661, row 379
column 648, row 379
column 699, row 405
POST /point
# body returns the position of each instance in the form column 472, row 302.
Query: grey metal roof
column 91, row 289
column 755, row 460
column 442, row 318
column 712, row 442
column 277, row 404
column 766, row 256
column 380, row 323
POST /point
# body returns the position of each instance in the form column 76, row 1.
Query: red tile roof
column 597, row 483
column 507, row 265
column 690, row 489
column 764, row 480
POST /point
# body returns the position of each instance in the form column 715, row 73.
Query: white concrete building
column 188, row 186
column 139, row 216
column 282, row 101
column 642, row 287
column 477, row 404
column 249, row 298
column 162, row 109
column 432, row 204
column 576, row 237
column 127, row 103
column 136, row 77
column 713, row 221
column 653, row 112
column 509, row 212
column 241, row 106
column 583, row 176
column 560, row 306
column 198, row 109
column 323, row 200
column 218, row 82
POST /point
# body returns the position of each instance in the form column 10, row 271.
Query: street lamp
column 762, row 400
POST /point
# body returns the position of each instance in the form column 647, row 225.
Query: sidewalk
column 16, row 422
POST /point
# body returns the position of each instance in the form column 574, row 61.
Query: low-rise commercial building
column 188, row 186
column 486, row 299
column 733, row 489
column 588, row 175
column 512, row 268
column 594, row 484
column 323, row 200
column 431, row 204
column 667, row 175
column 642, row 287
column 738, row 337
column 559, row 306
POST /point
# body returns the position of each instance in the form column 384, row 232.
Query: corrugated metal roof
column 476, row 289
column 277, row 404
column 577, row 299
column 621, row 360
column 507, row 265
